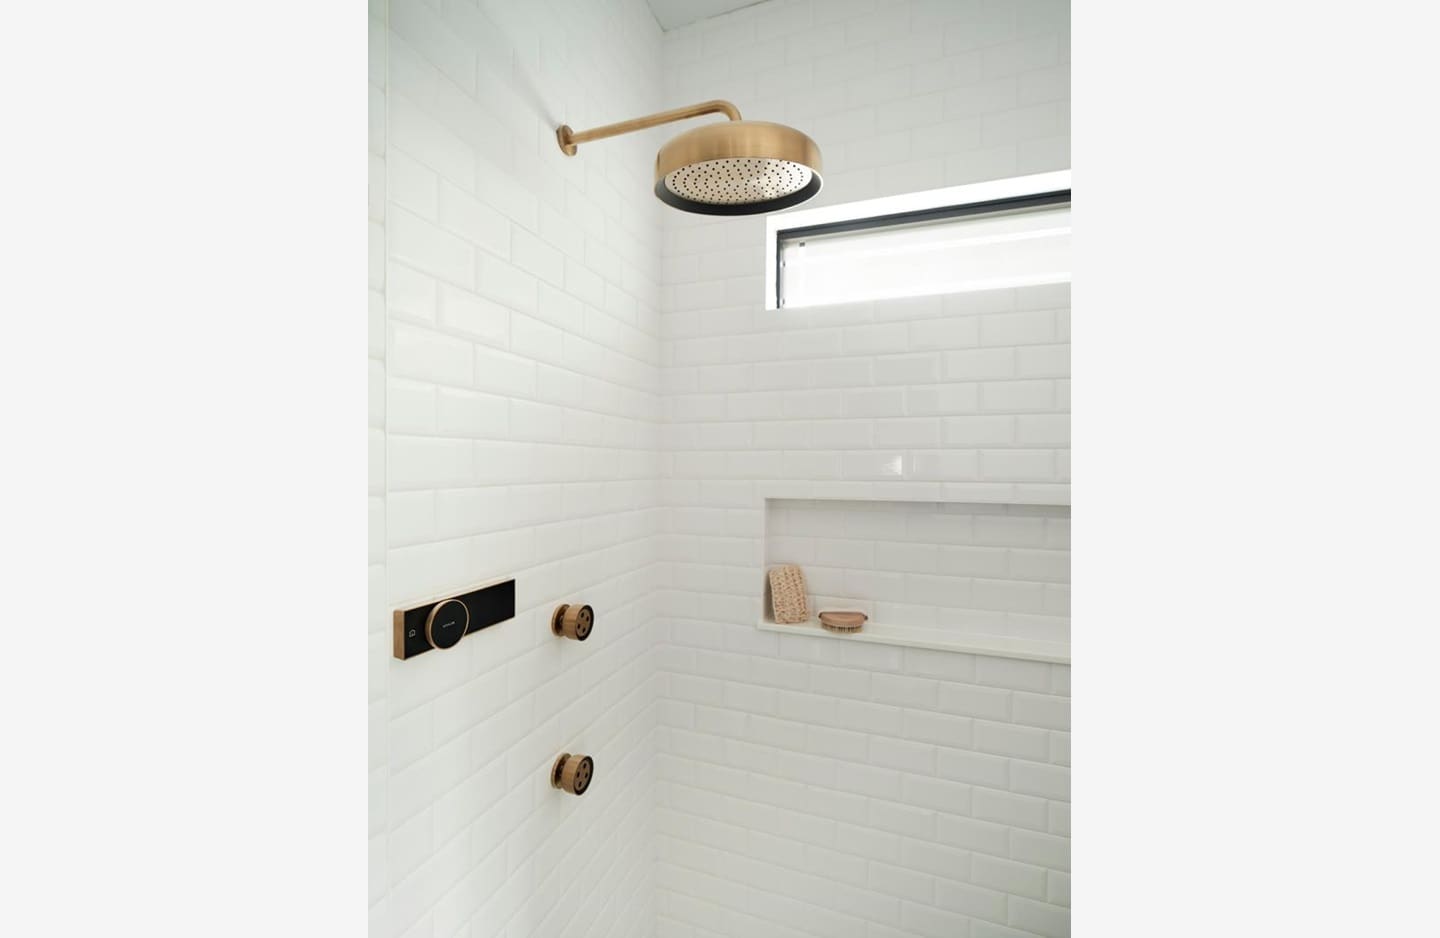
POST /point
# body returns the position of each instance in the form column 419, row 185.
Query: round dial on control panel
column 446, row 624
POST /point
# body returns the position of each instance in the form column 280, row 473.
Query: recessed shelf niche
column 964, row 576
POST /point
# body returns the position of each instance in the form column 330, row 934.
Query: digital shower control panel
column 441, row 623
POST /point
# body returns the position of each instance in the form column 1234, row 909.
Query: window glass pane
column 1007, row 248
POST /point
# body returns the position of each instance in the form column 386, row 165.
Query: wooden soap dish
column 843, row 621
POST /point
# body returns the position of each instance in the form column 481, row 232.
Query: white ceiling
column 673, row 13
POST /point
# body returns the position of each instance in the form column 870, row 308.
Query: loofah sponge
column 787, row 594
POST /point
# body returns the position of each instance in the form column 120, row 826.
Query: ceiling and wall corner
column 672, row 14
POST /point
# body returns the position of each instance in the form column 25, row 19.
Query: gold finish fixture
column 572, row 773
column 444, row 615
column 441, row 622
column 570, row 140
column 572, row 621
column 736, row 168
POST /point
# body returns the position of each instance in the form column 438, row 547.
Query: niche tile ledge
column 976, row 577
column 996, row 646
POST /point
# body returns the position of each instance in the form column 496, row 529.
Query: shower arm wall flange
column 570, row 140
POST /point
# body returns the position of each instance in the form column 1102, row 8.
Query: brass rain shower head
column 736, row 168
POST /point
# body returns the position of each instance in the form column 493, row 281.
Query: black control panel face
column 442, row 623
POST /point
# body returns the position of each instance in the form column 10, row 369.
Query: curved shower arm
column 570, row 140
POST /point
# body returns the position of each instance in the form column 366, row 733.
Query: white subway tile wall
column 813, row 787
column 571, row 386
column 952, row 569
column 515, row 413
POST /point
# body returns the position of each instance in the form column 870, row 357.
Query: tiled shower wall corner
column 515, row 296
column 518, row 404
column 811, row 786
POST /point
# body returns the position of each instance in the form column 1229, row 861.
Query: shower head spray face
column 738, row 181
column 738, row 168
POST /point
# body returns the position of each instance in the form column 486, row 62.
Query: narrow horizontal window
column 954, row 248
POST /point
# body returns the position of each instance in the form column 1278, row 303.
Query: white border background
column 1255, row 640
column 184, row 368
column 1255, row 462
